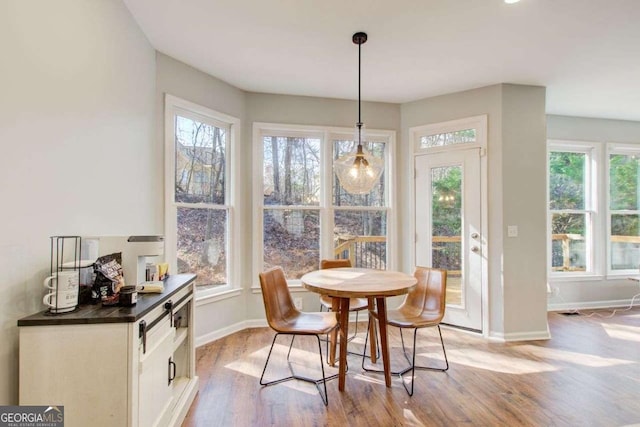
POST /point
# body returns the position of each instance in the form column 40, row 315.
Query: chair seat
column 355, row 304
column 306, row 323
column 406, row 319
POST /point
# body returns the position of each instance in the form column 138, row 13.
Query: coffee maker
column 136, row 251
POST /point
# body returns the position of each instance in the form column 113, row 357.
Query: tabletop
column 358, row 282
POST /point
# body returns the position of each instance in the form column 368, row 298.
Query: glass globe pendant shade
column 359, row 171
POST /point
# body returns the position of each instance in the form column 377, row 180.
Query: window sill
column 218, row 296
column 576, row 278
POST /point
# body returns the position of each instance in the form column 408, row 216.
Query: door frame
column 480, row 124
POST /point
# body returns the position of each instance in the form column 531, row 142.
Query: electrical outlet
column 298, row 303
column 512, row 231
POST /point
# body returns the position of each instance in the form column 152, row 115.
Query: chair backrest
column 278, row 304
column 334, row 263
column 429, row 294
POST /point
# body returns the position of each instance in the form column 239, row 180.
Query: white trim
column 231, row 329
column 522, row 336
column 589, row 305
column 174, row 105
column 479, row 123
column 208, row 298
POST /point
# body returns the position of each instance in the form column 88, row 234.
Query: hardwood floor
column 588, row 374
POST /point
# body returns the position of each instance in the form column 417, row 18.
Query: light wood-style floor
column 588, row 374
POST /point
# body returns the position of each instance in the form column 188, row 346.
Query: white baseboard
column 520, row 336
column 563, row 306
column 237, row 327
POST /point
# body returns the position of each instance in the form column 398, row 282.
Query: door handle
column 474, row 235
column 475, row 249
column 172, row 371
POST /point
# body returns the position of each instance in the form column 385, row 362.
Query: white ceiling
column 586, row 52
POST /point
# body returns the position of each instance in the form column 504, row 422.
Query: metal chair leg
column 323, row 381
column 412, row 362
column 413, row 366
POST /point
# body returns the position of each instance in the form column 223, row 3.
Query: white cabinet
column 114, row 366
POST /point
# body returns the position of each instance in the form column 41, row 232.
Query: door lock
column 475, row 249
column 474, row 235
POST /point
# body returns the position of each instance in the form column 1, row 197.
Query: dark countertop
column 93, row 314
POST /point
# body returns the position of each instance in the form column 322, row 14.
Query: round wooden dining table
column 344, row 283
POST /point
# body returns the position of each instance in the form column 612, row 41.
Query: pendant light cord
column 359, row 124
column 359, row 38
column 359, row 73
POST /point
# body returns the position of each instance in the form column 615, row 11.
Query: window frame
column 327, row 135
column 592, row 209
column 174, row 106
column 625, row 149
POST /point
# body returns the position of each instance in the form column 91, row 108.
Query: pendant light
column 359, row 171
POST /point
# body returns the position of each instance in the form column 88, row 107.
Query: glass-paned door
column 448, row 229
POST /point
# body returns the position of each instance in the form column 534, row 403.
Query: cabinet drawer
column 162, row 318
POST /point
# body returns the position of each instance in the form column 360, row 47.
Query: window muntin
column 571, row 214
column 199, row 208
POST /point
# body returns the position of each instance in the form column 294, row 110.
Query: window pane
column 449, row 138
column 292, row 241
column 202, row 243
column 625, row 242
column 340, row 196
column 200, row 162
column 567, row 180
column 291, row 170
column 568, row 249
column 361, row 237
column 446, row 227
column 623, row 182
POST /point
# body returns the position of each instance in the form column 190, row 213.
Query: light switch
column 512, row 231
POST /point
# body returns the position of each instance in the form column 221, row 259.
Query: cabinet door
column 155, row 391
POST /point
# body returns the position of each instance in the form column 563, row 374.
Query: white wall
column 516, row 116
column 524, row 179
column 78, row 149
column 602, row 292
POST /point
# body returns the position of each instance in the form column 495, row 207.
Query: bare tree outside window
column 291, row 237
column 200, row 191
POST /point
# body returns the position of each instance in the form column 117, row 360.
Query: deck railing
column 567, row 239
column 370, row 251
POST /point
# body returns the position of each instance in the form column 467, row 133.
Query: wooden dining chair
column 355, row 304
column 285, row 319
column 423, row 307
